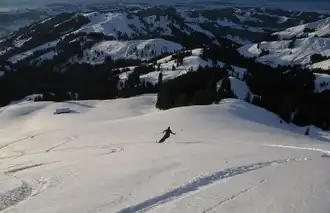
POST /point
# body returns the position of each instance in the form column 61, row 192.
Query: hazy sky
column 291, row 4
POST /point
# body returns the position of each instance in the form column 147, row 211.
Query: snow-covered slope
column 295, row 46
column 134, row 49
column 166, row 65
column 118, row 27
column 322, row 82
column 288, row 52
column 324, row 65
column 111, row 23
column 239, row 88
column 231, row 157
column 23, row 55
column 319, row 28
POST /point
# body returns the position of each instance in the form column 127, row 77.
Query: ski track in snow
column 23, row 168
column 199, row 183
column 22, row 139
column 235, row 196
column 324, row 151
column 67, row 140
column 16, row 141
column 42, row 184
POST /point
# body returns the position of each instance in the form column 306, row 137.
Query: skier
column 168, row 133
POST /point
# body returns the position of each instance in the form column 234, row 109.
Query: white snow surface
column 238, row 72
column 190, row 63
column 281, row 54
column 324, row 65
column 19, row 43
column 112, row 23
column 322, row 82
column 134, row 49
column 28, row 53
column 319, row 28
column 239, row 88
column 231, row 157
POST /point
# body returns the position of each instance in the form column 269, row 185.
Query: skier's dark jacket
column 168, row 132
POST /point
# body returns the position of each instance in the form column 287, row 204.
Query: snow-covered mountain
column 318, row 28
column 198, row 27
column 231, row 157
column 307, row 44
column 18, row 13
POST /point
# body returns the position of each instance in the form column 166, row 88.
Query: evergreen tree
column 248, row 97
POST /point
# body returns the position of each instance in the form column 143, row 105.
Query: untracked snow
column 318, row 28
column 112, row 23
column 103, row 157
column 281, row 53
column 28, row 53
column 134, row 49
column 166, row 65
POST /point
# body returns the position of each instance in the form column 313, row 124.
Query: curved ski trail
column 199, row 184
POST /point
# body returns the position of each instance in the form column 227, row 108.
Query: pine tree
column 173, row 67
column 182, row 100
column 292, row 44
column 247, row 97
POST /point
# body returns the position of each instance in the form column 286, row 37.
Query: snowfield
column 134, row 49
column 28, row 53
column 190, row 63
column 280, row 52
column 239, row 88
column 319, row 28
column 324, row 65
column 112, row 23
column 103, row 157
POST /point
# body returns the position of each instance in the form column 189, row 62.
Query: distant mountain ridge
column 15, row 14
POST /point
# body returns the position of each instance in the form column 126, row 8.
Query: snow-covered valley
column 103, row 157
